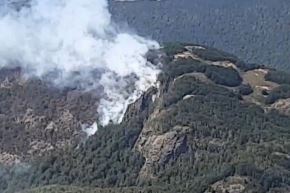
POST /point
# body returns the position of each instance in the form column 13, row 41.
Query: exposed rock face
column 159, row 149
column 142, row 108
column 235, row 184
column 283, row 106
column 9, row 159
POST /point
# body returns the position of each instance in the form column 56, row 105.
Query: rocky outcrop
column 156, row 147
column 9, row 159
column 282, row 105
column 141, row 108
column 159, row 149
column 233, row 184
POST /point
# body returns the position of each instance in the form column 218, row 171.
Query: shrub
column 173, row 48
column 245, row 89
column 278, row 77
column 282, row 92
column 223, row 76
column 184, row 65
column 213, row 54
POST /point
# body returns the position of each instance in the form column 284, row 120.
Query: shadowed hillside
column 255, row 30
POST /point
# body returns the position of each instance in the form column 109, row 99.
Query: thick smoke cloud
column 75, row 42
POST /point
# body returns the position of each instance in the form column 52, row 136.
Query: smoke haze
column 75, row 42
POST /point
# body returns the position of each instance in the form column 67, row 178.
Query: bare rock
column 8, row 159
column 233, row 184
column 158, row 149
column 283, row 106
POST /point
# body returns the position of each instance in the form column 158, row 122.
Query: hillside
column 36, row 118
column 256, row 30
column 214, row 124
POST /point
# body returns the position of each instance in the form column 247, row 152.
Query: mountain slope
column 258, row 30
column 214, row 124
column 36, row 118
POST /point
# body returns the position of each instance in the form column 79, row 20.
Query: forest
column 219, row 137
column 256, row 31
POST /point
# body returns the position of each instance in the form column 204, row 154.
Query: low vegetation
column 281, row 92
column 278, row 77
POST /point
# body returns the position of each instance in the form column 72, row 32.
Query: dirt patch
column 226, row 64
column 256, row 79
column 186, row 55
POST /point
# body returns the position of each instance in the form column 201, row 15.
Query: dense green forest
column 255, row 30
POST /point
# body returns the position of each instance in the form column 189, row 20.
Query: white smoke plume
column 76, row 42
